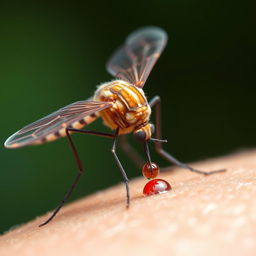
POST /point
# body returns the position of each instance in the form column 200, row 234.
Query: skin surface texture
column 201, row 215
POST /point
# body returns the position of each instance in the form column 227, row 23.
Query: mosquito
column 121, row 104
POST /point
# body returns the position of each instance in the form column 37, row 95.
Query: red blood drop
column 156, row 186
column 150, row 173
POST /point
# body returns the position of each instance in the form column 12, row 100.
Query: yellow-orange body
column 130, row 110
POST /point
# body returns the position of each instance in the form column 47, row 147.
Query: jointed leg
column 79, row 165
column 131, row 152
column 126, row 181
column 155, row 102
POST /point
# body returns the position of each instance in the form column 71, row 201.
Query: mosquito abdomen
column 62, row 132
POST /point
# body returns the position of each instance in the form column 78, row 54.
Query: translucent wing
column 134, row 60
column 60, row 119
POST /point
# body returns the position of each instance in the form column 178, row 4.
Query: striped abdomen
column 62, row 132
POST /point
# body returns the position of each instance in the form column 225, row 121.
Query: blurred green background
column 52, row 54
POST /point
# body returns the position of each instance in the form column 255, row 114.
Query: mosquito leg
column 126, row 181
column 101, row 134
column 156, row 102
column 131, row 152
column 79, row 165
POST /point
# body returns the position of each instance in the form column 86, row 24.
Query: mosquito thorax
column 130, row 107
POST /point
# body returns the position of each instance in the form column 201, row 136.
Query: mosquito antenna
column 158, row 140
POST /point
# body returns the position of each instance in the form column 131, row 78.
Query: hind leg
column 156, row 102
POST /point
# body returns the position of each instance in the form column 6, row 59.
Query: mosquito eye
column 140, row 135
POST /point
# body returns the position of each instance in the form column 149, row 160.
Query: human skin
column 201, row 215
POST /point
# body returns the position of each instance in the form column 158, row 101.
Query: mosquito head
column 144, row 133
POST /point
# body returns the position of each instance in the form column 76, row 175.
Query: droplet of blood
column 156, row 186
column 150, row 173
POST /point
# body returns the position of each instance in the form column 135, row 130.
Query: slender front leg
column 126, row 181
column 79, row 165
column 131, row 152
column 156, row 102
